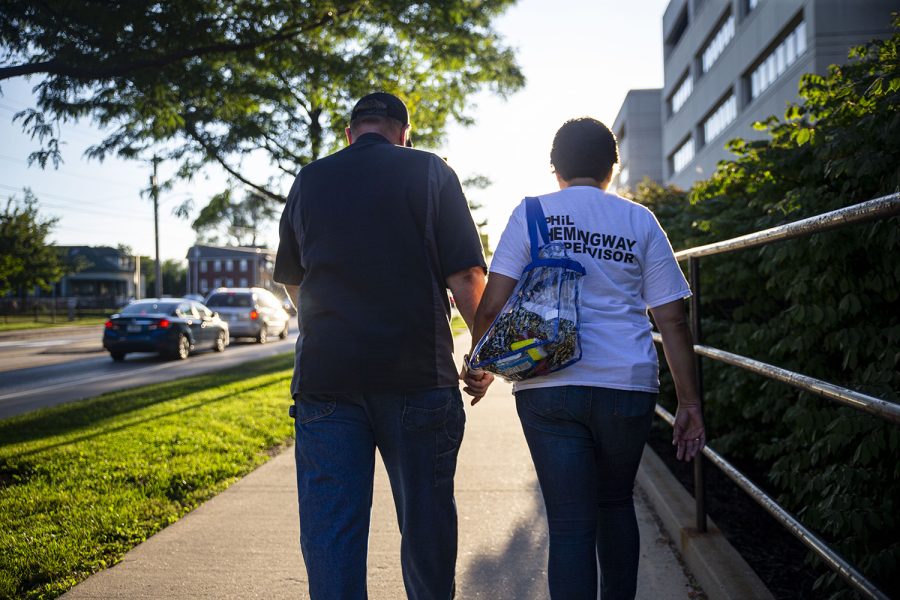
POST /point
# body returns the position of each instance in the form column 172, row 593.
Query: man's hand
column 688, row 435
column 477, row 381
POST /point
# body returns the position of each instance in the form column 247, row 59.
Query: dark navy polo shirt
column 370, row 234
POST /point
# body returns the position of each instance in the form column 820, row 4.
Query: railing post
column 699, row 481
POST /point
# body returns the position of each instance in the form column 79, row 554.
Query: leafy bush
column 824, row 306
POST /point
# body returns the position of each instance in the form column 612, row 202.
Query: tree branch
column 57, row 67
column 296, row 158
column 212, row 153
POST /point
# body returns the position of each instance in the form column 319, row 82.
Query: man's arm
column 688, row 435
column 467, row 286
column 498, row 289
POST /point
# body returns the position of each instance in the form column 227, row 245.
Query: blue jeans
column 418, row 435
column 586, row 444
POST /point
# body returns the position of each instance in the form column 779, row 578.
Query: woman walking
column 586, row 425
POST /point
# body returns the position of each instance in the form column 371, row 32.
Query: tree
column 174, row 277
column 478, row 182
column 26, row 259
column 824, row 306
column 243, row 219
column 210, row 81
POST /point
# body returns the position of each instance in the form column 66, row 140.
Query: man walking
column 371, row 238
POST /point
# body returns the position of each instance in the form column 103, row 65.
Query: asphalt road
column 50, row 367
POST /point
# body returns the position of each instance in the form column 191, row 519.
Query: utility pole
column 154, row 191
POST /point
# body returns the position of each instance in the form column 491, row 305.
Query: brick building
column 210, row 267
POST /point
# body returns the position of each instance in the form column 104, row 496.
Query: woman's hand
column 688, row 436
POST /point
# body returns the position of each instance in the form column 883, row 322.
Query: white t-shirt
column 630, row 267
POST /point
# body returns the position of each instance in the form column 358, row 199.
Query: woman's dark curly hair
column 584, row 147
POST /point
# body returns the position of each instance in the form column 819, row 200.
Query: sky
column 579, row 57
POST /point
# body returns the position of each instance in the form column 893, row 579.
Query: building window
column 681, row 25
column 778, row 60
column 217, row 282
column 682, row 155
column 243, row 282
column 217, row 266
column 229, row 265
column 751, row 4
column 681, row 94
column 243, row 265
column 720, row 118
column 204, row 285
column 717, row 44
column 203, row 266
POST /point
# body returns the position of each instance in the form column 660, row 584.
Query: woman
column 586, row 425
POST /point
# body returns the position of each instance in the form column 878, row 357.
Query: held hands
column 477, row 381
column 688, row 435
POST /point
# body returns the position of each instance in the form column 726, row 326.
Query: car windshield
column 225, row 300
column 150, row 308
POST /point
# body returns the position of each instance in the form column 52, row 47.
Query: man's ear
column 404, row 135
column 349, row 135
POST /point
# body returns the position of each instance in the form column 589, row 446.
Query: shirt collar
column 371, row 138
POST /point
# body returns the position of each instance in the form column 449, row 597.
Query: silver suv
column 250, row 312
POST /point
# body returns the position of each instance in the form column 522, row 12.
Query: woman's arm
column 689, row 435
column 497, row 292
column 499, row 287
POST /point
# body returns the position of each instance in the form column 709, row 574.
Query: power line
column 88, row 211
column 80, row 201
column 84, row 135
column 67, row 173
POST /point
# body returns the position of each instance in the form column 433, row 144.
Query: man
column 371, row 238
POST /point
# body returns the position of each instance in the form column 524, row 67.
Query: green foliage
column 478, row 182
column 83, row 483
column 174, row 277
column 26, row 258
column 824, row 306
column 210, row 81
column 243, row 219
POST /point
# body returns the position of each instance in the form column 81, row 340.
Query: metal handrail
column 878, row 208
column 870, row 404
column 835, row 560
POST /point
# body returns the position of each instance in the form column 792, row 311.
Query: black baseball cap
column 381, row 104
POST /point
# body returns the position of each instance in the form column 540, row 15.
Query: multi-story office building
column 638, row 129
column 729, row 63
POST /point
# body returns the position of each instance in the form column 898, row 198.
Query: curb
column 22, row 334
column 719, row 569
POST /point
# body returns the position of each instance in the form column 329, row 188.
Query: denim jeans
column 418, row 435
column 586, row 444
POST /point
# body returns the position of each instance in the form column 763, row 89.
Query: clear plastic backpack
column 538, row 329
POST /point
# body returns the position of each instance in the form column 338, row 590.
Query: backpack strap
column 537, row 226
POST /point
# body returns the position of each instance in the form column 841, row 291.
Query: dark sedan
column 173, row 327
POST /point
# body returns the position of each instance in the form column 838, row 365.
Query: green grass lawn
column 83, row 483
column 457, row 325
column 19, row 323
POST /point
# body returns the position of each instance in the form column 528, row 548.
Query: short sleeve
column 458, row 242
column 663, row 280
column 513, row 251
column 288, row 266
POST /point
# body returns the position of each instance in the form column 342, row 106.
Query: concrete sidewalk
column 244, row 542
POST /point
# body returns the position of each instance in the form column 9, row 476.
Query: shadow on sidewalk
column 516, row 571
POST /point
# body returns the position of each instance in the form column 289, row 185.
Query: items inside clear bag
column 536, row 332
